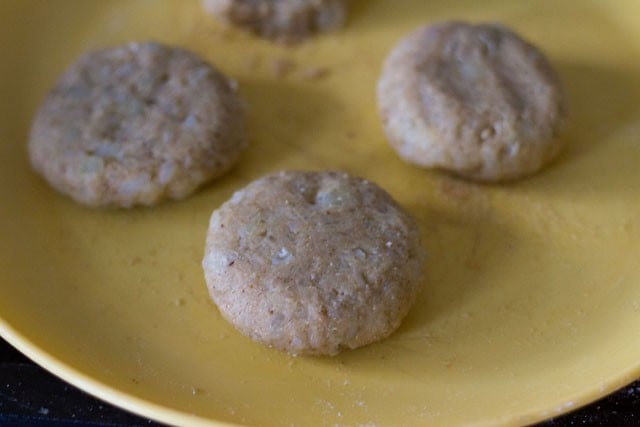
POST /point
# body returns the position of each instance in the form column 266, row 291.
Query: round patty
column 137, row 124
column 313, row 262
column 281, row 20
column 476, row 100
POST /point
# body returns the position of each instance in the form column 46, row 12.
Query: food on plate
column 137, row 124
column 313, row 262
column 476, row 100
column 284, row 21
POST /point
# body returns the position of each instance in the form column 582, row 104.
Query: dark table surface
column 31, row 397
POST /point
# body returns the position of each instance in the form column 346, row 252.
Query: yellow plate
column 532, row 303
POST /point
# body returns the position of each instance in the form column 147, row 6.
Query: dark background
column 31, row 397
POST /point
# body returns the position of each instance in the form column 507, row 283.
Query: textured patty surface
column 313, row 262
column 476, row 100
column 136, row 124
column 280, row 20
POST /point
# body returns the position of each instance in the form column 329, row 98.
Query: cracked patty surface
column 476, row 100
column 313, row 262
column 136, row 124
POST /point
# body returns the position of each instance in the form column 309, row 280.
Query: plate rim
column 157, row 412
column 89, row 384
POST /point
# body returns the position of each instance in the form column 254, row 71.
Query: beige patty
column 313, row 262
column 136, row 124
column 281, row 20
column 476, row 100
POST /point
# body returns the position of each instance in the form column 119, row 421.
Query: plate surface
column 531, row 306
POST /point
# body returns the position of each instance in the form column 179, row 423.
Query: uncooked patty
column 313, row 262
column 280, row 20
column 137, row 124
column 476, row 100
